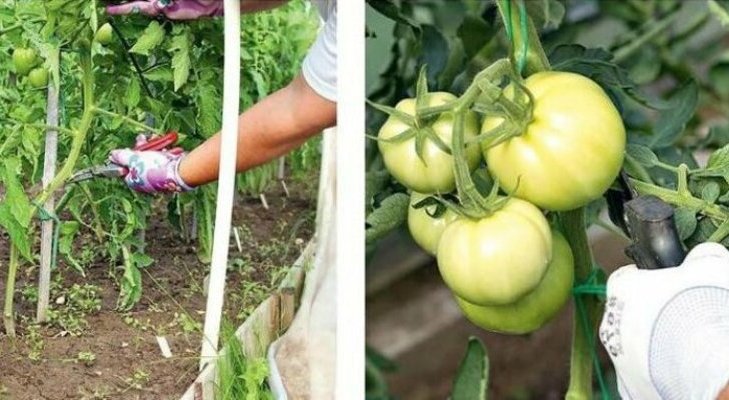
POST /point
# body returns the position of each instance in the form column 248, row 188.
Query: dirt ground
column 128, row 363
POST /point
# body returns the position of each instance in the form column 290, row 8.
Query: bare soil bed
column 116, row 356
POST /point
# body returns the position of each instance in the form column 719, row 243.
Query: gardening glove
column 172, row 9
column 151, row 171
column 667, row 331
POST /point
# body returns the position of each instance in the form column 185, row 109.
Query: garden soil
column 125, row 349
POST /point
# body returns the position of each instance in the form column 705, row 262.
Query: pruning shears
column 650, row 224
column 111, row 170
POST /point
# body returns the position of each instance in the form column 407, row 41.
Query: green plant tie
column 45, row 215
column 591, row 286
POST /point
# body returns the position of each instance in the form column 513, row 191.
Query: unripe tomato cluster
column 26, row 61
column 509, row 271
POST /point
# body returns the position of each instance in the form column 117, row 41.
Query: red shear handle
column 159, row 143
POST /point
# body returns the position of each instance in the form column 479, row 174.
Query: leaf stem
column 677, row 199
column 129, row 121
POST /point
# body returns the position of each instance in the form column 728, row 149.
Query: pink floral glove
column 172, row 9
column 151, row 171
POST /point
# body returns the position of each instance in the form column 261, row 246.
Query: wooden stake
column 49, row 171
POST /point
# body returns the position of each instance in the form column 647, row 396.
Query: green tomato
column 38, row 77
column 537, row 307
column 497, row 259
column 426, row 230
column 105, row 34
column 434, row 172
column 571, row 151
column 24, row 60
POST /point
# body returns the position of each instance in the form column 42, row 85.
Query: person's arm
column 276, row 125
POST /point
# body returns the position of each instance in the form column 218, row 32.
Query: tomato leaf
column 180, row 49
column 644, row 155
column 672, row 121
column 391, row 213
column 596, row 64
column 474, row 33
column 152, row 37
column 717, row 166
column 685, row 222
column 435, row 51
column 472, row 378
column 389, row 9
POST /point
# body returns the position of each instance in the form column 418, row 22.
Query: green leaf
column 208, row 109
column 685, row 222
column 672, row 121
column 152, row 37
column 719, row 77
column 375, row 182
column 474, row 34
column 710, row 192
column 133, row 94
column 642, row 154
column 18, row 233
column 391, row 213
column 389, row 9
column 472, row 378
column 596, row 64
column 547, row 13
column 180, row 49
column 718, row 164
column 435, row 51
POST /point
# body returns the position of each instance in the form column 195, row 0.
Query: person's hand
column 151, row 171
column 667, row 331
column 172, row 9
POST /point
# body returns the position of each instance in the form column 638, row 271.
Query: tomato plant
column 570, row 95
column 158, row 76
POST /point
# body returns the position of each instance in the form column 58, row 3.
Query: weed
column 138, row 379
column 86, row 357
column 35, row 342
column 238, row 376
column 187, row 323
column 76, row 303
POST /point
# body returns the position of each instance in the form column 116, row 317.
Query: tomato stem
column 79, row 135
column 574, row 229
column 8, row 317
column 527, row 47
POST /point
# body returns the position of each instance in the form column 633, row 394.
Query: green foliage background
column 178, row 87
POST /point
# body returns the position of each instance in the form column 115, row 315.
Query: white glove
column 667, row 331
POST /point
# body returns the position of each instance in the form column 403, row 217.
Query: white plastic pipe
column 226, row 183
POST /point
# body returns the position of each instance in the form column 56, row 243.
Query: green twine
column 45, row 215
column 591, row 286
column 523, row 29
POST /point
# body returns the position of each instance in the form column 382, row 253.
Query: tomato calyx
column 420, row 124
